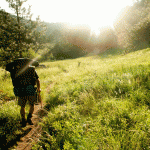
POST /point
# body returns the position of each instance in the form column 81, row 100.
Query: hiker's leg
column 30, row 114
column 22, row 103
column 22, row 112
column 31, row 110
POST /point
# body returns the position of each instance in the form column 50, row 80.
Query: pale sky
column 94, row 13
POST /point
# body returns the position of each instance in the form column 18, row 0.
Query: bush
column 30, row 54
column 66, row 51
column 9, row 122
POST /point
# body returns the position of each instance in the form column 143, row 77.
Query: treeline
column 133, row 26
column 70, row 43
column 20, row 36
column 18, row 33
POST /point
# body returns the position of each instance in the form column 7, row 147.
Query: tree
column 133, row 26
column 80, row 37
column 19, row 35
column 25, row 27
column 107, row 39
column 7, row 32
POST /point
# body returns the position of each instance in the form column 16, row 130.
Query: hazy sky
column 95, row 13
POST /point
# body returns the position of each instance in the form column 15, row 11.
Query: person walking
column 26, row 85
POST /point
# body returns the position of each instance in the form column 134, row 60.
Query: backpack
column 21, row 62
column 24, row 77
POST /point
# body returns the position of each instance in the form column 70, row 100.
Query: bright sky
column 94, row 13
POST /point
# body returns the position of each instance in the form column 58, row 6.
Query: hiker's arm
column 38, row 85
column 39, row 90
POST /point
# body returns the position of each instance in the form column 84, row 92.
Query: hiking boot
column 29, row 119
column 23, row 123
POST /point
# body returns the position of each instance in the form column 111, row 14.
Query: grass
column 10, row 128
column 6, row 92
column 103, row 103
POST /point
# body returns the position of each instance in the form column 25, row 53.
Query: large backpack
column 23, row 79
column 21, row 61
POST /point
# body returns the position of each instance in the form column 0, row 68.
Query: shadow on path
column 28, row 134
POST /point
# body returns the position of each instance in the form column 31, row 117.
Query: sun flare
column 94, row 13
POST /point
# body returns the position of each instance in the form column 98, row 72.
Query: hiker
column 24, row 78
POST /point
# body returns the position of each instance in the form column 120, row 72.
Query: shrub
column 66, row 51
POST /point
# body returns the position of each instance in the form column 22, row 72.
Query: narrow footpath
column 32, row 132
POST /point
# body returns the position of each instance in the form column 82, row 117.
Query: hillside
column 53, row 30
column 95, row 102
column 58, row 41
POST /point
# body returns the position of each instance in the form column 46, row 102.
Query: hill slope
column 98, row 103
column 94, row 102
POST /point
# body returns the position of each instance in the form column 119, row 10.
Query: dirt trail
column 32, row 132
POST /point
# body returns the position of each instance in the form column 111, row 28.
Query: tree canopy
column 20, row 36
column 133, row 26
column 18, row 32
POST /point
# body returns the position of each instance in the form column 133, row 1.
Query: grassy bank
column 10, row 128
column 98, row 103
column 94, row 102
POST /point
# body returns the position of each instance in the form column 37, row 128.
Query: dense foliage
column 107, row 39
column 18, row 34
column 66, row 51
column 133, row 26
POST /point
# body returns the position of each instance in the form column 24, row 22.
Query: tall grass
column 96, row 102
column 101, row 104
column 6, row 92
column 10, row 127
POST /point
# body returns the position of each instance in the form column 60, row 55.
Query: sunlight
column 95, row 31
column 94, row 13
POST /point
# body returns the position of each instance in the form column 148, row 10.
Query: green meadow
column 94, row 102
